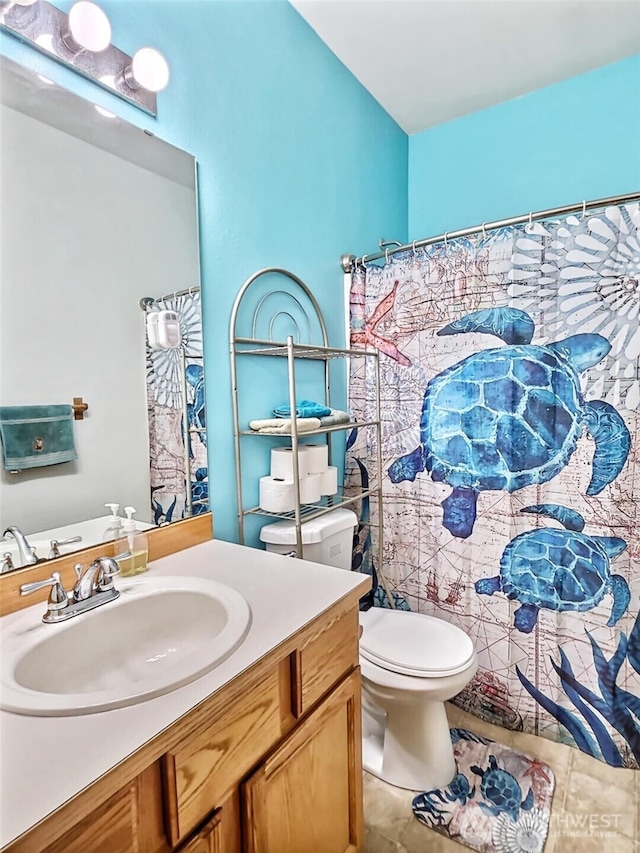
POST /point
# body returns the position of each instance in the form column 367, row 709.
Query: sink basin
column 160, row 634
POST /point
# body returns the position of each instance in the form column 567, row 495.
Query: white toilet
column 411, row 665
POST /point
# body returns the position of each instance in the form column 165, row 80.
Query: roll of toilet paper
column 329, row 483
column 310, row 489
column 282, row 462
column 318, row 457
column 276, row 495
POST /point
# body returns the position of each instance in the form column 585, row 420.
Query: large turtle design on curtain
column 509, row 417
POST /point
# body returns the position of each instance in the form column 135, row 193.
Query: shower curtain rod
column 146, row 301
column 351, row 262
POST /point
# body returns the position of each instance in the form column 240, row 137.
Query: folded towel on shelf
column 282, row 426
column 35, row 436
column 336, row 417
column 304, row 409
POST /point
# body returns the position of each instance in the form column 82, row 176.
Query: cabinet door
column 129, row 821
column 307, row 797
column 220, row 833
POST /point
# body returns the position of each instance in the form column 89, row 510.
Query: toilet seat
column 414, row 643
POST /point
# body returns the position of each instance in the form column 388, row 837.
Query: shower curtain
column 169, row 479
column 510, row 391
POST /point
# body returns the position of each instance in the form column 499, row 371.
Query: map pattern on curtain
column 166, row 428
column 510, row 391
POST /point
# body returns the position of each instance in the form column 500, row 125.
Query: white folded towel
column 282, row 426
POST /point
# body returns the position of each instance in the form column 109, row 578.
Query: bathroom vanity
column 261, row 754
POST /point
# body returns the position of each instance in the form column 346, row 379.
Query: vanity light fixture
column 148, row 69
column 82, row 40
column 88, row 28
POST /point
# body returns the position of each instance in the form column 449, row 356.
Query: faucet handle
column 56, row 543
column 107, row 569
column 58, row 598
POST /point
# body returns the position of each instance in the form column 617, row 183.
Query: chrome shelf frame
column 347, row 425
column 309, row 511
column 239, row 346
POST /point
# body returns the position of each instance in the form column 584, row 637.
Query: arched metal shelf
column 292, row 300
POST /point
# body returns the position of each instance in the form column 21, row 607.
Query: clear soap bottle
column 114, row 529
column 136, row 542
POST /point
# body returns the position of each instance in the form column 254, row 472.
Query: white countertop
column 48, row 760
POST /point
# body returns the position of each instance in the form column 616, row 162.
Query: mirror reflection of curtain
column 555, row 624
column 167, row 430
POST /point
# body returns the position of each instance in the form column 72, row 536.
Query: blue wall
column 578, row 139
column 297, row 164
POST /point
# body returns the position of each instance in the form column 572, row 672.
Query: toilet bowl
column 411, row 665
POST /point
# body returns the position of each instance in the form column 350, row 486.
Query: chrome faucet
column 28, row 555
column 93, row 588
column 96, row 578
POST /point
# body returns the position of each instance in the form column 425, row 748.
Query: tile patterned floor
column 596, row 808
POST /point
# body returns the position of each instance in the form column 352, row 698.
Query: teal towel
column 304, row 409
column 336, row 417
column 35, row 436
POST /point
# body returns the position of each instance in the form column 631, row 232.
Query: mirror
column 96, row 215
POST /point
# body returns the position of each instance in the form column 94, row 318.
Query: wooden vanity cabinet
column 306, row 797
column 270, row 763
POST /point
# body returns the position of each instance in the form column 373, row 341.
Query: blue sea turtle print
column 511, row 416
column 460, row 789
column 558, row 569
column 196, row 410
column 427, row 807
column 502, row 791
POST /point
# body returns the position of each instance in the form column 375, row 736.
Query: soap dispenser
column 114, row 530
column 136, row 542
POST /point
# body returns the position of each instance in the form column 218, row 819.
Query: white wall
column 83, row 235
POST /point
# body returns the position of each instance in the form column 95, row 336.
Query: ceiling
column 430, row 61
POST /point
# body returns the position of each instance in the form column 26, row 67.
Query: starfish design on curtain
column 370, row 336
column 536, row 768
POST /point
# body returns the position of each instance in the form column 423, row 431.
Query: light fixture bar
column 42, row 26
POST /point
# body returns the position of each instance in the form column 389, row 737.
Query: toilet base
column 414, row 750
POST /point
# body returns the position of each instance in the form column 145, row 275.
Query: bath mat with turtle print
column 499, row 801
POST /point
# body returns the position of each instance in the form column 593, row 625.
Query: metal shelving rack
column 295, row 350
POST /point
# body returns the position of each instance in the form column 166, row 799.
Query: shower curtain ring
column 484, row 231
column 584, row 209
column 530, row 219
column 386, row 256
column 415, row 253
column 364, row 262
column 446, row 243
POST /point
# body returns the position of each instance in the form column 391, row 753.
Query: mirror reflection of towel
column 35, row 436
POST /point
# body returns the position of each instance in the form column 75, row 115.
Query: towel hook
column 79, row 408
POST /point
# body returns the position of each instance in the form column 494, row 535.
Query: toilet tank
column 327, row 539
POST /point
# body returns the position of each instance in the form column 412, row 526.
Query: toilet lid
column 413, row 643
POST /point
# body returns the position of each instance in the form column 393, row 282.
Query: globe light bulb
column 88, row 28
column 149, row 69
